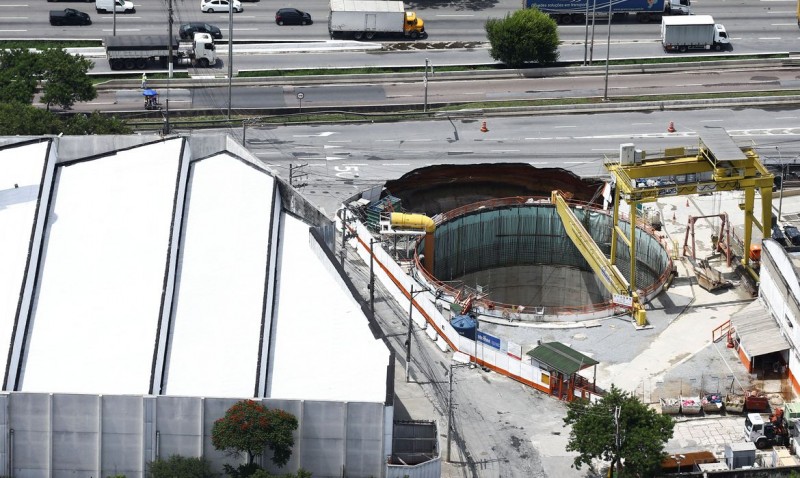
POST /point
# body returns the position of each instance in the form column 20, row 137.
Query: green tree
column 249, row 427
column 64, row 77
column 95, row 123
column 19, row 74
column 24, row 119
column 641, row 437
column 525, row 36
column 177, row 466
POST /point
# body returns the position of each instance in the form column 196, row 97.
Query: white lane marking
column 323, row 134
column 566, row 126
column 25, row 5
column 786, row 117
column 384, row 140
column 710, row 121
column 783, row 24
column 329, row 146
column 122, row 29
column 341, row 141
column 454, row 15
column 398, row 96
column 13, row 18
column 769, row 38
column 504, row 151
column 267, row 153
column 640, row 124
column 418, row 140
column 13, row 30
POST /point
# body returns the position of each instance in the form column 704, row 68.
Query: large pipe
column 418, row 221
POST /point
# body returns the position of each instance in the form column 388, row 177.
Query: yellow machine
column 718, row 164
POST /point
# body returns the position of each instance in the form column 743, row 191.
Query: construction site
column 525, row 271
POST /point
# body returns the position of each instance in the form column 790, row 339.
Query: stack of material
column 782, row 456
column 670, row 406
column 690, row 405
column 712, row 402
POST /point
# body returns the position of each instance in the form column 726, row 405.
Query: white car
column 211, row 6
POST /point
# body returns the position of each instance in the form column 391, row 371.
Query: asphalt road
column 441, row 90
column 771, row 24
column 342, row 160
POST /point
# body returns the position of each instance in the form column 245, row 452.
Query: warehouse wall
column 65, row 435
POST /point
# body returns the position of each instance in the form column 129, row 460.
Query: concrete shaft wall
column 61, row 435
column 544, row 285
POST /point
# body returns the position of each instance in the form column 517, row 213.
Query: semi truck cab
column 414, row 27
column 678, row 7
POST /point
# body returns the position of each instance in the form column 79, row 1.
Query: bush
column 525, row 36
column 177, row 466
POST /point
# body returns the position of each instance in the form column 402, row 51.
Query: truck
column 69, row 16
column 370, row 18
column 776, row 431
column 567, row 12
column 129, row 52
column 693, row 32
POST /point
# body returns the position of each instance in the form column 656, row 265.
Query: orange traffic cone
column 673, row 215
column 671, row 127
column 687, row 203
column 484, row 129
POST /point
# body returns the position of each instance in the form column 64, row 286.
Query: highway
column 768, row 25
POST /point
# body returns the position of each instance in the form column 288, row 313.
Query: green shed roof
column 561, row 358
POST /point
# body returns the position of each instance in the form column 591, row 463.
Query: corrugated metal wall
column 532, row 235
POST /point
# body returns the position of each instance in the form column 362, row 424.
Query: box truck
column 129, row 52
column 370, row 18
column 567, row 12
column 694, row 32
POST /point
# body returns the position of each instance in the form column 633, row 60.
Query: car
column 69, row 16
column 187, row 30
column 211, row 6
column 292, row 16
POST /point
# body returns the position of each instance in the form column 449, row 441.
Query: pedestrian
column 144, row 81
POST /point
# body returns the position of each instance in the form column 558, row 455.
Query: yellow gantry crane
column 717, row 164
column 609, row 275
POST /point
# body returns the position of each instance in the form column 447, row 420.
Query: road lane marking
column 567, row 126
column 504, row 150
column 769, row 38
column 783, row 24
column 122, row 29
column 454, row 15
column 13, row 18
column 418, row 140
column 710, row 121
column 13, row 30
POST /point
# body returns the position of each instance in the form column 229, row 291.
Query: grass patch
column 44, row 44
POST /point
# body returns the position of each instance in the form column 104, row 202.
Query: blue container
column 465, row 325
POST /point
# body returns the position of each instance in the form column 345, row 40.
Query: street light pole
column 425, row 82
column 608, row 52
column 230, row 55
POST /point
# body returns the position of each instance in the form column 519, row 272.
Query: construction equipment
column 721, row 240
column 774, row 432
column 709, row 278
column 606, row 271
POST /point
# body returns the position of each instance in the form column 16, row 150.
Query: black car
column 292, row 16
column 187, row 30
column 69, row 16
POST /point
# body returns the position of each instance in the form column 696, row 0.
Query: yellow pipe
column 418, row 221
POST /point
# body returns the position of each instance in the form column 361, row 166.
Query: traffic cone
column 673, row 215
column 484, row 129
column 671, row 127
column 687, row 203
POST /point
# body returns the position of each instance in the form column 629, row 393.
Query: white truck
column 692, row 32
column 369, row 18
column 136, row 52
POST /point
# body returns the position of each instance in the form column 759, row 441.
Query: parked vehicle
column 187, row 30
column 69, row 16
column 292, row 16
column 693, row 32
column 108, row 6
column 211, row 6
column 792, row 234
column 369, row 18
column 765, row 433
column 129, row 52
column 645, row 10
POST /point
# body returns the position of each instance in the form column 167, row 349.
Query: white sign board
column 515, row 350
column 624, row 300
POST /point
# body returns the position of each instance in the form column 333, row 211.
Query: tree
column 641, row 437
column 19, row 74
column 180, row 466
column 23, row 119
column 249, row 427
column 64, row 78
column 524, row 36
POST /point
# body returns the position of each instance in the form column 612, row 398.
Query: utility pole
column 343, row 217
column 371, row 278
column 449, row 412
column 230, row 55
column 617, row 460
column 425, row 82
column 408, row 337
column 114, row 19
column 780, row 194
column 608, row 51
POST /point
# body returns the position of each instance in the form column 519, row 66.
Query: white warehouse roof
column 146, row 270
